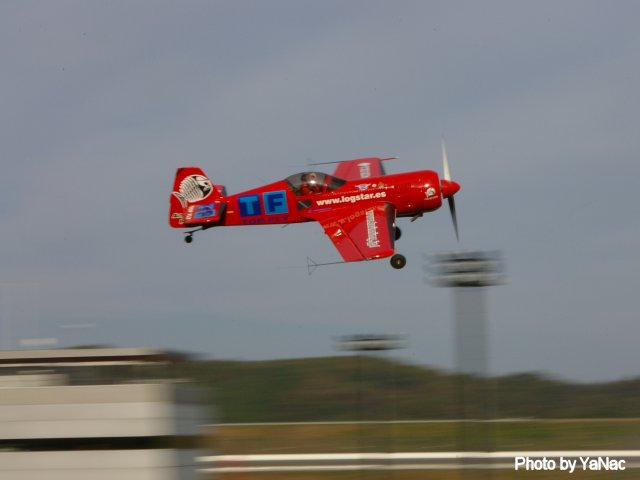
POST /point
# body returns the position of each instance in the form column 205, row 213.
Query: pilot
column 309, row 184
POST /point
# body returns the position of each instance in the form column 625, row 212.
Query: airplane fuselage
column 411, row 193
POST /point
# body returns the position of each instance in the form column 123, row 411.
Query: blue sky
column 102, row 101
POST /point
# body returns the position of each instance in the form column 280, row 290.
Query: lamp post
column 468, row 273
column 361, row 344
column 371, row 343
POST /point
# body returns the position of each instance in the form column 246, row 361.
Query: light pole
column 370, row 343
column 468, row 273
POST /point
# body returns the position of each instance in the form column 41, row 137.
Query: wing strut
column 312, row 265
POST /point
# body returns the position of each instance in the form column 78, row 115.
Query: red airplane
column 357, row 206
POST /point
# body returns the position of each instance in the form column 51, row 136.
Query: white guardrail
column 569, row 461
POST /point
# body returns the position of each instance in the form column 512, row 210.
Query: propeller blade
column 449, row 188
column 454, row 217
column 445, row 161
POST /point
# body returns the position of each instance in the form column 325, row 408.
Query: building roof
column 87, row 357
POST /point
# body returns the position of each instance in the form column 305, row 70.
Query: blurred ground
column 593, row 434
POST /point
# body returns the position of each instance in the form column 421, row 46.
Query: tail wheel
column 398, row 261
column 188, row 238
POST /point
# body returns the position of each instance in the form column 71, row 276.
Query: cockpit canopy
column 311, row 183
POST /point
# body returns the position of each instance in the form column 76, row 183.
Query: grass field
column 509, row 435
column 584, row 434
column 435, row 475
column 368, row 387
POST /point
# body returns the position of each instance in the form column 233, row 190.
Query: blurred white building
column 93, row 414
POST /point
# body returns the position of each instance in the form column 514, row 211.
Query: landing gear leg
column 398, row 261
column 188, row 236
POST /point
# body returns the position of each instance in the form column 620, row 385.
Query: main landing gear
column 188, row 236
column 398, row 261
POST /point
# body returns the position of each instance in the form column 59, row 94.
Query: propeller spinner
column 449, row 188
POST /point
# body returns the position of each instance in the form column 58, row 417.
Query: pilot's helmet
column 311, row 178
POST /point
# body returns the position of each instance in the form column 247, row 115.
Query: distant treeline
column 370, row 388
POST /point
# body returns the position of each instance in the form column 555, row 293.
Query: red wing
column 361, row 233
column 360, row 168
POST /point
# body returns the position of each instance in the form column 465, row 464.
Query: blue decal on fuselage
column 249, row 205
column 205, row 211
column 275, row 202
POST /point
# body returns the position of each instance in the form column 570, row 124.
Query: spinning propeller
column 449, row 188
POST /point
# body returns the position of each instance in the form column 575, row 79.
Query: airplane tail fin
column 195, row 200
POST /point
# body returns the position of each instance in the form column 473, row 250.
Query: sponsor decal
column 351, row 198
column 348, row 219
column 193, row 189
column 200, row 211
column 179, row 217
column 365, row 169
column 372, row 230
column 275, row 202
column 430, row 193
column 273, row 219
column 249, row 205
column 363, row 186
column 205, row 211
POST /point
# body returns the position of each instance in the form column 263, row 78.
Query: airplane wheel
column 398, row 233
column 188, row 238
column 398, row 261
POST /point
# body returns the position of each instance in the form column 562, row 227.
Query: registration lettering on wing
column 372, row 230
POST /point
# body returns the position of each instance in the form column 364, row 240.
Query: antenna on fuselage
column 342, row 161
